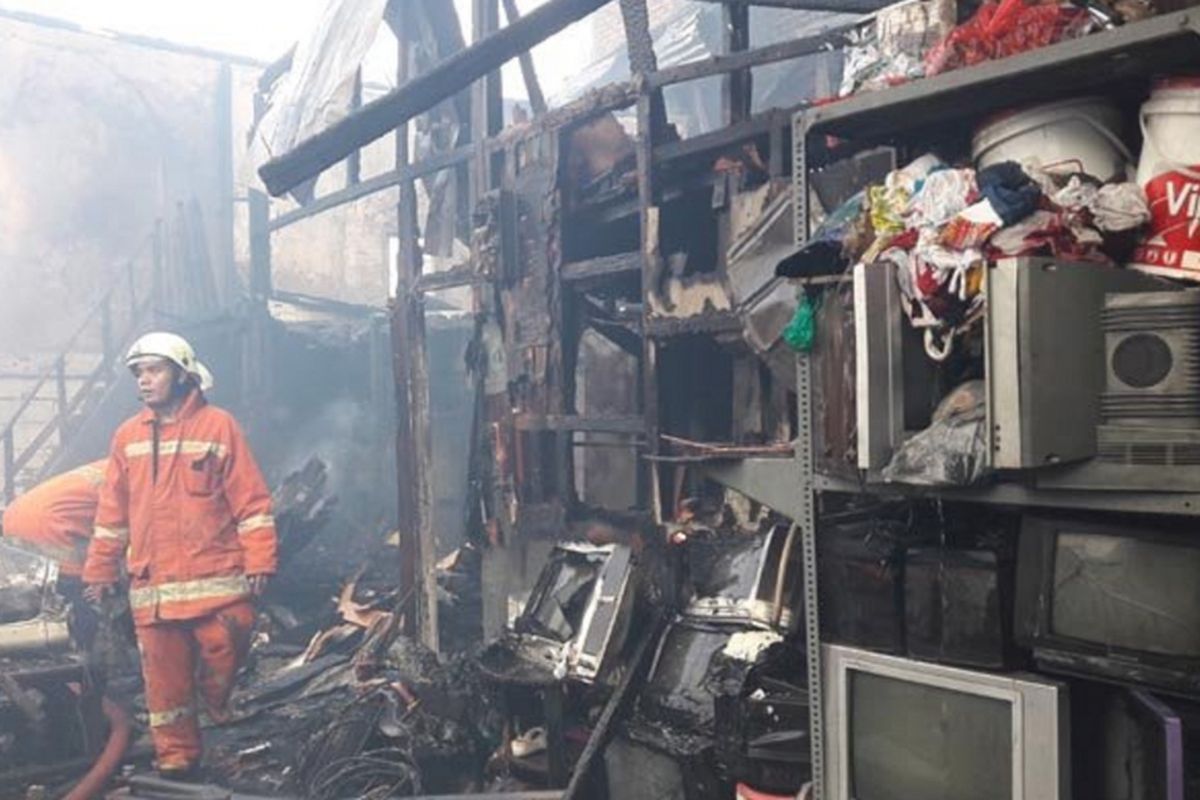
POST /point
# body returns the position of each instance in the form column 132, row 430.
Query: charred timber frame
column 385, row 114
column 480, row 156
column 414, row 449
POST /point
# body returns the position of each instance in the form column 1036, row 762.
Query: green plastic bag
column 801, row 332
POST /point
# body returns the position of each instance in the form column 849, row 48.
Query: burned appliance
column 765, row 303
column 575, row 620
column 697, row 664
column 957, row 606
column 49, row 707
column 752, row 579
column 861, row 563
column 1042, row 322
column 762, row 730
column 1127, row 743
column 1111, row 600
column 33, row 616
column 1150, row 407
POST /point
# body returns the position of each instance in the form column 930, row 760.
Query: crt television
column 899, row 729
column 1113, row 601
column 1129, row 744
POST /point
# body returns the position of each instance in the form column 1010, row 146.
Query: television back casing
column 1041, row 718
column 1128, row 744
column 861, row 586
column 1068, row 656
column 957, row 607
column 1042, row 324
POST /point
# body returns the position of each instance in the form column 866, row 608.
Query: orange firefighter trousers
column 183, row 658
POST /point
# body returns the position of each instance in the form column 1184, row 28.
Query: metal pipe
column 40, row 634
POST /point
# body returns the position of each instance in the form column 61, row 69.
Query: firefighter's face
column 158, row 381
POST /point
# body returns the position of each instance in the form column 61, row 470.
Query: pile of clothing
column 938, row 226
column 999, row 30
column 914, row 39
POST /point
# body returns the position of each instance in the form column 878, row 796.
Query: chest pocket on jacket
column 202, row 474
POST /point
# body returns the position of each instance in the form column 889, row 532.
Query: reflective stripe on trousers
column 183, row 659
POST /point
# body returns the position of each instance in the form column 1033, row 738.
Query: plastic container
column 1083, row 134
column 1169, row 172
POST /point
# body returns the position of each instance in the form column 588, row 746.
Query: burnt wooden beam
column 619, row 335
column 737, row 88
column 734, row 62
column 414, row 446
column 636, row 16
column 602, row 267
column 721, row 139
column 453, row 278
column 376, row 183
column 448, row 37
column 487, row 106
column 381, row 116
column 602, row 322
column 643, row 62
column 537, row 100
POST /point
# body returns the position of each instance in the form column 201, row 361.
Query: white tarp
column 316, row 91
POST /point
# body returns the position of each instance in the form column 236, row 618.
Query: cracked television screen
column 560, row 600
column 1129, row 593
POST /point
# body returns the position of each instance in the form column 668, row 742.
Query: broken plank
column 464, row 275
column 601, row 267
column 381, row 116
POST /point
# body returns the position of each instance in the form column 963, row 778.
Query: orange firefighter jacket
column 55, row 517
column 186, row 504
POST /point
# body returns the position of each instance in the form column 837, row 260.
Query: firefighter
column 186, row 506
column 55, row 518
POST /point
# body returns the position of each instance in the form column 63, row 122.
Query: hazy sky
column 265, row 29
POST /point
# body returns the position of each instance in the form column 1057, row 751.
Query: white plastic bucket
column 1169, row 172
column 1083, row 134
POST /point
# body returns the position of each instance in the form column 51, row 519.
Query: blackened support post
column 414, row 462
column 537, row 100
column 652, row 120
column 736, row 87
column 260, row 246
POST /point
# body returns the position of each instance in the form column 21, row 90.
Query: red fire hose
column 120, row 729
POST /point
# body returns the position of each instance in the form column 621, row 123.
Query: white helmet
column 173, row 348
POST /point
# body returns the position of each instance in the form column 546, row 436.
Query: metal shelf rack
column 1112, row 61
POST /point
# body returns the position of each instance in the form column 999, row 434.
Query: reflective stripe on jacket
column 186, row 504
column 55, row 517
